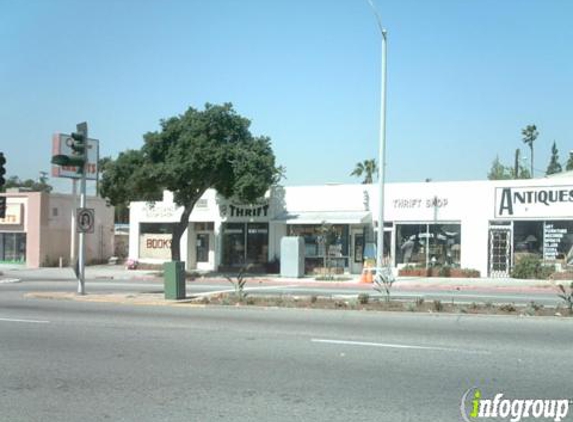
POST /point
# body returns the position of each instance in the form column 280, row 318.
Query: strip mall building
column 483, row 225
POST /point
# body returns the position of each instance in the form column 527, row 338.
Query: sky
column 464, row 78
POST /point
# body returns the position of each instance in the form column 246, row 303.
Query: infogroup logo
column 474, row 407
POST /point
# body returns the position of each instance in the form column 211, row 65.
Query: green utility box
column 174, row 280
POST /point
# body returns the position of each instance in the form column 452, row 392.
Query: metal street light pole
column 382, row 146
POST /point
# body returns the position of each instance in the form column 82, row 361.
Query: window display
column 338, row 248
column 13, row 247
column 428, row 244
column 528, row 238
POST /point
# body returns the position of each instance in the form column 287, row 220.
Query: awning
column 330, row 217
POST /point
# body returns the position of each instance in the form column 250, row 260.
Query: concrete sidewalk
column 112, row 272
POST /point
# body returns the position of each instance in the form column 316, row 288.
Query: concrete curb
column 149, row 299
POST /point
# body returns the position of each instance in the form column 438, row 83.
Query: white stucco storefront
column 481, row 225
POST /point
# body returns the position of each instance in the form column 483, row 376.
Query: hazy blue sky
column 464, row 77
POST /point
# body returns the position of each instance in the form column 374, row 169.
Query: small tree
column 569, row 165
column 40, row 185
column 383, row 281
column 368, row 168
column 530, row 134
column 554, row 166
column 498, row 171
column 327, row 236
column 192, row 152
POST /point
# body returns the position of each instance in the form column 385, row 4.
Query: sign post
column 78, row 157
column 82, row 131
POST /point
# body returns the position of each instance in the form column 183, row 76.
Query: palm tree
column 530, row 134
column 367, row 168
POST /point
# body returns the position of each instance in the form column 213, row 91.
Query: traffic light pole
column 78, row 158
column 83, row 129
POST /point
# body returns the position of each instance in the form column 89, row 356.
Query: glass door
column 499, row 251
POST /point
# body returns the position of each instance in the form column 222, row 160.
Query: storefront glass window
column 245, row 243
column 13, row 247
column 428, row 244
column 234, row 244
column 155, row 240
column 338, row 250
column 257, row 243
column 444, row 244
column 156, row 228
column 558, row 241
column 410, row 244
column 528, row 238
column 203, row 247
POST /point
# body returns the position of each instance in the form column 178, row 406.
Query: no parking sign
column 85, row 218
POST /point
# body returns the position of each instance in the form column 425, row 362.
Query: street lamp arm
column 378, row 19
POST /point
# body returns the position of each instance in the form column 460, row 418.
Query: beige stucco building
column 39, row 229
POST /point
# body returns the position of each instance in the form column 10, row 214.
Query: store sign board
column 534, row 202
column 258, row 212
column 417, row 203
column 61, row 145
column 155, row 246
column 14, row 215
column 552, row 240
column 158, row 210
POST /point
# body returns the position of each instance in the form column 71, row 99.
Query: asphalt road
column 70, row 361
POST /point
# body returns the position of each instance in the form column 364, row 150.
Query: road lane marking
column 31, row 321
column 10, row 281
column 397, row 346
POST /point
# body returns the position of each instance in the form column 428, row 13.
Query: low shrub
column 438, row 305
column 508, row 307
column 566, row 293
column 444, row 271
column 531, row 267
column 363, row 298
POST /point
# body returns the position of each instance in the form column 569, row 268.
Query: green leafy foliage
column 366, row 168
column 531, row 267
column 28, row 185
column 383, row 281
column 239, row 283
column 554, row 165
column 363, row 298
column 566, row 293
column 529, row 135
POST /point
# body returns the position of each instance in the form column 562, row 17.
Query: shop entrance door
column 357, row 254
column 499, row 251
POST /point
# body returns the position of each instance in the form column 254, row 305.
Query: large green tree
column 192, row 152
column 368, row 168
column 529, row 135
column 554, row 165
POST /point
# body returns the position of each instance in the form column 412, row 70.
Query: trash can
column 174, row 280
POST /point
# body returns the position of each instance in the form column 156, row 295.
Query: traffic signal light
column 78, row 144
column 2, row 171
column 2, row 207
